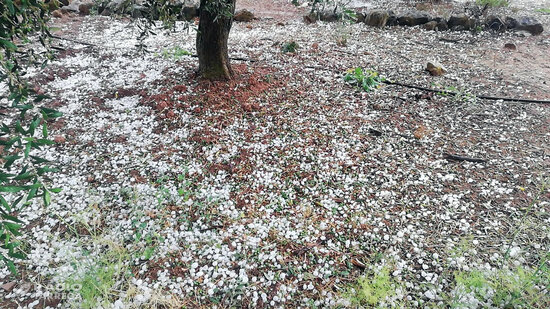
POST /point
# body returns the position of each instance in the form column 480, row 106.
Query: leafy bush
column 364, row 79
column 24, row 125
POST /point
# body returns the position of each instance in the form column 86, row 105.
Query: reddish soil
column 527, row 66
column 240, row 95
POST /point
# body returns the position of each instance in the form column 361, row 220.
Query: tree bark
column 214, row 27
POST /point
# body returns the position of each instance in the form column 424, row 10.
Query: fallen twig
column 73, row 40
column 449, row 156
column 454, row 93
column 214, row 227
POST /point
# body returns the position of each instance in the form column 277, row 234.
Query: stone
column 8, row 287
column 311, row 18
column 138, row 11
column 510, row 46
column 106, row 12
column 59, row 139
column 530, row 25
column 458, row 28
column 495, row 23
column 65, row 2
column 435, row 68
column 392, row 20
column 84, row 8
column 413, row 18
column 118, row 7
column 441, row 24
column 430, row 26
column 360, row 17
column 189, row 12
column 53, row 5
column 243, row 16
column 511, row 22
column 377, row 18
column 329, row 16
column 57, row 13
column 461, row 22
column 71, row 8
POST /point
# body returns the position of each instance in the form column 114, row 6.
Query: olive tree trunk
column 215, row 19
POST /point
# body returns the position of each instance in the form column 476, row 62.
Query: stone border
column 459, row 22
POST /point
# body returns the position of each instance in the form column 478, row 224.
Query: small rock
column 360, row 17
column 106, row 12
column 138, row 11
column 430, row 26
column 441, row 24
column 189, row 12
column 90, row 179
column 329, row 16
column 435, row 68
column 170, row 114
column 59, row 139
column 458, row 28
column 377, row 18
column 510, row 46
column 311, row 18
column 413, row 18
column 72, row 8
column 84, row 8
column 530, row 25
column 243, row 16
column 510, row 22
column 496, row 23
column 8, row 287
column 57, row 13
column 392, row 21
column 53, row 5
column 461, row 22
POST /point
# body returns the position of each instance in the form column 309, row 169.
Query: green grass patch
column 520, row 287
column 290, row 47
column 544, row 10
column 374, row 288
column 175, row 53
column 99, row 282
column 493, row 3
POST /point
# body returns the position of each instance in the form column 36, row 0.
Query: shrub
column 24, row 124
